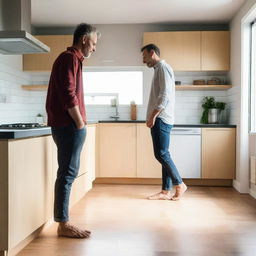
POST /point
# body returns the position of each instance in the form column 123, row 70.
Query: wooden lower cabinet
column 28, row 192
column 88, row 154
column 117, row 150
column 147, row 165
column 80, row 187
column 126, row 151
column 218, row 153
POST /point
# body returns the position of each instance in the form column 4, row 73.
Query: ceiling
column 70, row 13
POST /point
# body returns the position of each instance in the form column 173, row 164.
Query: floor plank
column 209, row 221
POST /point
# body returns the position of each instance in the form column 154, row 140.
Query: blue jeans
column 69, row 141
column 160, row 133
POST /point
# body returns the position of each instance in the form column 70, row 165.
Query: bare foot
column 67, row 230
column 180, row 190
column 160, row 196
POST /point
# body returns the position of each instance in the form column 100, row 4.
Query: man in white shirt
column 160, row 119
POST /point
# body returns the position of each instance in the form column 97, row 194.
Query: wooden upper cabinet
column 215, row 50
column 180, row 49
column 44, row 61
column 193, row 50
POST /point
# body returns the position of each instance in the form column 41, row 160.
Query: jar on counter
column 133, row 111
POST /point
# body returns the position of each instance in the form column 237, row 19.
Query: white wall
column 239, row 78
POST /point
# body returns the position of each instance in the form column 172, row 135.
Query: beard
column 150, row 65
column 87, row 55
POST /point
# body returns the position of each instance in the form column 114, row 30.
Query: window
column 253, row 79
column 101, row 87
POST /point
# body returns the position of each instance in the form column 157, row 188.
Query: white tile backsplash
column 17, row 105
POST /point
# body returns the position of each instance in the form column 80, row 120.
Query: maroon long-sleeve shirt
column 65, row 88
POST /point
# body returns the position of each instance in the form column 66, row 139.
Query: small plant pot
column 214, row 115
column 40, row 119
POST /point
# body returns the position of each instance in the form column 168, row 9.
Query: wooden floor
column 209, row 221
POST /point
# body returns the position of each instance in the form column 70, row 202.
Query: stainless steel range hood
column 15, row 29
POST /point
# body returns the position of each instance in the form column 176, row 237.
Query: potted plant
column 39, row 118
column 211, row 110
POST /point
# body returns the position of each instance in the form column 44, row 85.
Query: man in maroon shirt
column 66, row 115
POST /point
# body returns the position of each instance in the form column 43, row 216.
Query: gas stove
column 22, row 126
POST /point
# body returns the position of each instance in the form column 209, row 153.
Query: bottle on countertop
column 133, row 110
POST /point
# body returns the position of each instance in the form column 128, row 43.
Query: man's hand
column 80, row 125
column 151, row 122
column 76, row 116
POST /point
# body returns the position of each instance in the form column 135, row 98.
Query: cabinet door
column 44, row 61
column 218, row 153
column 215, row 50
column 4, row 196
column 88, row 155
column 30, row 186
column 180, row 49
column 80, row 187
column 117, row 150
column 147, row 165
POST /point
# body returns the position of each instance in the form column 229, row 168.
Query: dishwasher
column 185, row 149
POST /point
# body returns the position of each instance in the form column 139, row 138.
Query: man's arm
column 165, row 80
column 76, row 116
column 68, row 93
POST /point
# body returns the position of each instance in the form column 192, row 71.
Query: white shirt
column 162, row 95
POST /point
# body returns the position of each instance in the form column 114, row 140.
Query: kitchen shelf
column 35, row 87
column 206, row 87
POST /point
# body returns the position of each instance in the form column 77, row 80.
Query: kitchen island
column 28, row 165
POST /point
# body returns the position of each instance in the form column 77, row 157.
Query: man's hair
column 84, row 29
column 150, row 47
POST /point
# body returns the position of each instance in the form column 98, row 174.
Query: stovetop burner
column 21, row 126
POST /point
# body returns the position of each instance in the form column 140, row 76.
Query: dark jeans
column 69, row 141
column 160, row 133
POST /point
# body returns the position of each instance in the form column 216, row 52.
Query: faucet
column 114, row 103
